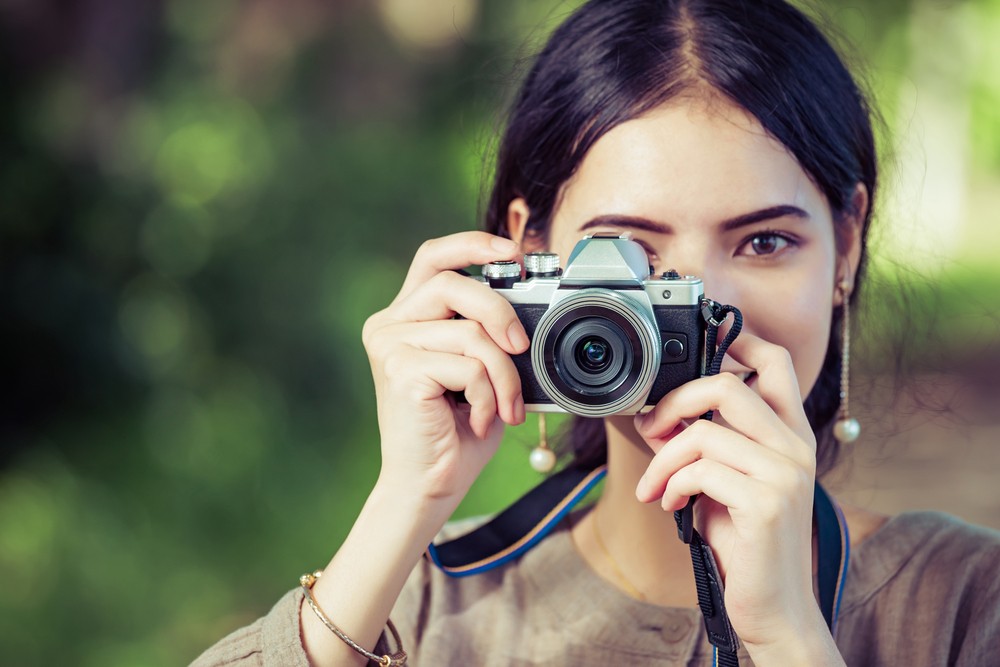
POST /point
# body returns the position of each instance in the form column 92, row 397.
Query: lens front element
column 593, row 355
column 596, row 353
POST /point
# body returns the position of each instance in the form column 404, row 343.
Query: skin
column 685, row 168
column 706, row 191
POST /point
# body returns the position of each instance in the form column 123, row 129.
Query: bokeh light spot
column 223, row 150
column 430, row 24
column 28, row 530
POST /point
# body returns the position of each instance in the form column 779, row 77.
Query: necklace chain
column 629, row 586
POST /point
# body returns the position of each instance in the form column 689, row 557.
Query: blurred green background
column 200, row 204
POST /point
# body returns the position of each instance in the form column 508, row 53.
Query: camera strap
column 707, row 579
column 517, row 529
column 514, row 531
column 833, row 555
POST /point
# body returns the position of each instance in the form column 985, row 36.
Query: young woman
column 728, row 138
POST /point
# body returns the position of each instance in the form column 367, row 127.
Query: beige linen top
column 922, row 590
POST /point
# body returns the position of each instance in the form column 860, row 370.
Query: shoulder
column 271, row 640
column 924, row 583
column 918, row 545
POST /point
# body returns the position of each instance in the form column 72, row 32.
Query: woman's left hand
column 755, row 468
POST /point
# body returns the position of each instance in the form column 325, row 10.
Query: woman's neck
column 638, row 542
column 631, row 540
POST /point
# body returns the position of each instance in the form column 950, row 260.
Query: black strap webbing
column 517, row 528
column 833, row 542
column 525, row 523
column 833, row 552
column 708, row 583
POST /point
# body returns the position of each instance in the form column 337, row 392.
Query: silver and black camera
column 607, row 336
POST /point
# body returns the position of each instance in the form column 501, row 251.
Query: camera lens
column 596, row 352
column 593, row 354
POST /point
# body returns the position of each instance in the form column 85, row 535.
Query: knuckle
column 473, row 330
column 477, row 371
column 369, row 328
column 425, row 249
column 478, row 341
column 730, row 381
column 805, row 480
column 377, row 344
column 701, row 427
column 696, row 435
column 781, row 357
column 450, row 284
column 441, row 280
column 808, row 468
column 394, row 365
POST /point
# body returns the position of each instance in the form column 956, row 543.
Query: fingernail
column 518, row 339
column 640, row 489
column 519, row 410
column 503, row 245
column 640, row 420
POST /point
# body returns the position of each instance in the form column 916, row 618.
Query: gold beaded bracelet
column 397, row 659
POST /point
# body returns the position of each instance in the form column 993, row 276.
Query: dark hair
column 613, row 60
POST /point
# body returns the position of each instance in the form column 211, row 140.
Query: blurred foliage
column 200, row 204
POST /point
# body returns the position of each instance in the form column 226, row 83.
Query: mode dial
column 502, row 275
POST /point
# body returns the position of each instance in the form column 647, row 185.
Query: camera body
column 607, row 337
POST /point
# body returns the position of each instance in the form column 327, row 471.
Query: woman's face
column 707, row 192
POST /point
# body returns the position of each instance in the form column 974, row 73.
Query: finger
column 706, row 440
column 725, row 393
column 455, row 251
column 719, row 482
column 739, row 493
column 425, row 376
column 448, row 294
column 776, row 381
column 467, row 338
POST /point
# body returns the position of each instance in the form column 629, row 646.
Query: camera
column 607, row 336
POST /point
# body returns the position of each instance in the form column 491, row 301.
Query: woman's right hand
column 432, row 446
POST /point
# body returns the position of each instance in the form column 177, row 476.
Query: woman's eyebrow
column 770, row 213
column 628, row 222
column 647, row 225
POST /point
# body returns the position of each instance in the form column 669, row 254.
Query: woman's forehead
column 688, row 158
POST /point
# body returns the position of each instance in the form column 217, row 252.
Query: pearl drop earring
column 542, row 458
column 846, row 429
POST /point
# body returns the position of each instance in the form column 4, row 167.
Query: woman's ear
column 517, row 224
column 850, row 242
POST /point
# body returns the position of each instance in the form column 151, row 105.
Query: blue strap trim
column 845, row 560
column 526, row 523
column 834, row 546
column 518, row 528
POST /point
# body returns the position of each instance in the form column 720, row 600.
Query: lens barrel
column 596, row 352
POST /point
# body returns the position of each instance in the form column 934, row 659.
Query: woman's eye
column 766, row 243
column 650, row 254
